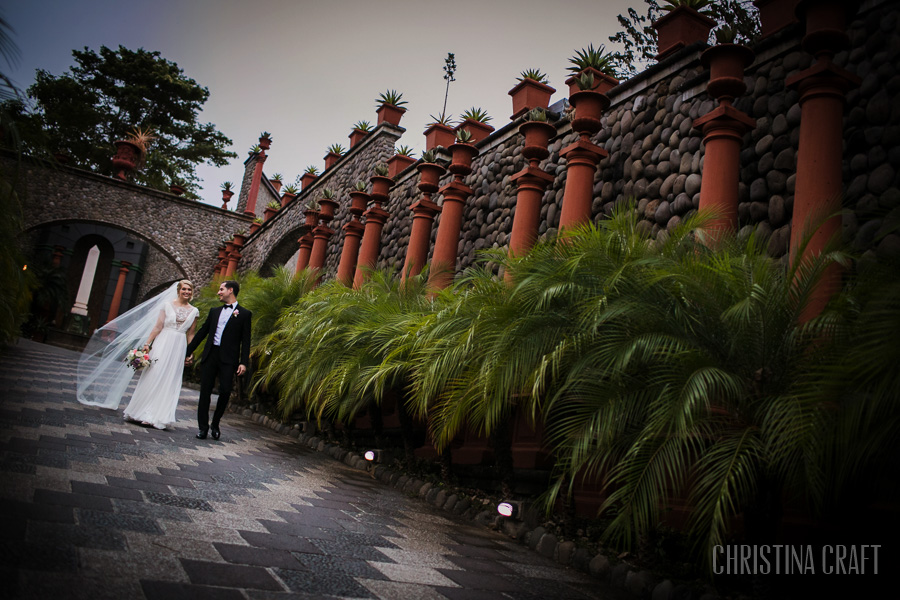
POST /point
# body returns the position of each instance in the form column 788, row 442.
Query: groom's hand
column 189, row 360
column 241, row 370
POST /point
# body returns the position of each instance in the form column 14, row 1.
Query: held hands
column 189, row 360
column 241, row 370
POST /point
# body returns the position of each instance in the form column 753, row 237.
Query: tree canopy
column 104, row 96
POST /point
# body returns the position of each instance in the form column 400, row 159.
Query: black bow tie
column 227, row 306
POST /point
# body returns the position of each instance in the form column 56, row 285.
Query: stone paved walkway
column 93, row 507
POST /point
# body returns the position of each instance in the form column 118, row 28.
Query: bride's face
column 186, row 293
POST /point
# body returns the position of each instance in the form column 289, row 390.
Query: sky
column 306, row 71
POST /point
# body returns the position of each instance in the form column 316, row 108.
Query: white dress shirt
column 223, row 319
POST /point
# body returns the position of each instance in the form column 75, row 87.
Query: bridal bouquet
column 137, row 359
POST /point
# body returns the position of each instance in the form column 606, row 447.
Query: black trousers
column 209, row 371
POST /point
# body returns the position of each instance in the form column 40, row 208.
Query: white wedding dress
column 156, row 396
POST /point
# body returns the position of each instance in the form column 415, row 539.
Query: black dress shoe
column 215, row 433
column 201, row 435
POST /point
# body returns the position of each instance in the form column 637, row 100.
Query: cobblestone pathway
column 93, row 507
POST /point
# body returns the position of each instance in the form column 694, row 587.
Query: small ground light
column 372, row 455
column 509, row 509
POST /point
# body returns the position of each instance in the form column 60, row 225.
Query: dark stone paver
column 94, row 507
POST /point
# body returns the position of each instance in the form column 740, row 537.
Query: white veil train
column 103, row 375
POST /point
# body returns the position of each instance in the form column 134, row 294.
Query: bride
column 163, row 325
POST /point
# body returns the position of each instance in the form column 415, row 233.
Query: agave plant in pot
column 381, row 183
column 475, row 122
column 226, row 193
column 311, row 213
column 265, row 140
column 390, row 107
column 402, row 159
column 309, row 176
column 439, row 132
column 589, row 105
column 335, row 152
column 686, row 23
column 532, row 91
column 537, row 132
column 597, row 62
column 131, row 151
column 255, row 225
column 359, row 198
column 429, row 172
column 726, row 62
column 327, row 205
column 462, row 153
column 360, row 130
column 290, row 192
column 271, row 210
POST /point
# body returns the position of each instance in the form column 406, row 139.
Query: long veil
column 103, row 374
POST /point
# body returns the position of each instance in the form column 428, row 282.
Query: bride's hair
column 182, row 283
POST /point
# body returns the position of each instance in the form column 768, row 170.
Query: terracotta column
column 353, row 232
column 443, row 258
column 120, row 289
column 723, row 134
column 822, row 87
column 376, row 217
column 306, row 242
column 220, row 261
column 582, row 158
column 254, row 184
column 531, row 182
column 322, row 234
column 235, row 255
column 424, row 211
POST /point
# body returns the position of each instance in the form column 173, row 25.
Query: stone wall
column 656, row 156
column 275, row 243
column 183, row 234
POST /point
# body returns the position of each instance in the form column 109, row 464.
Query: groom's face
column 225, row 294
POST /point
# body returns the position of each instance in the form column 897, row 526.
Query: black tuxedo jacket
column 234, row 347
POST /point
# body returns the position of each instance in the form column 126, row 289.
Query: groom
column 226, row 353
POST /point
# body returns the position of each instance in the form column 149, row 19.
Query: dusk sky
column 307, row 71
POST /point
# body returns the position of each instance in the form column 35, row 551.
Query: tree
column 104, row 96
column 638, row 38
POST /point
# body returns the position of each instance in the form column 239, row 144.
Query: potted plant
column 598, row 63
column 359, row 199
column 271, row 209
column 276, row 182
column 726, row 62
column 255, row 149
column 475, row 121
column 327, row 205
column 265, row 140
column 255, row 225
column 429, row 172
column 532, row 91
column 131, row 151
column 381, row 183
column 360, row 130
column 311, row 213
column 226, row 193
column 538, row 132
column 686, row 23
column 390, row 105
column 589, row 105
column 177, row 187
column 439, row 132
column 462, row 153
column 335, row 151
column 240, row 238
column 402, row 159
column 309, row 176
column 290, row 192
